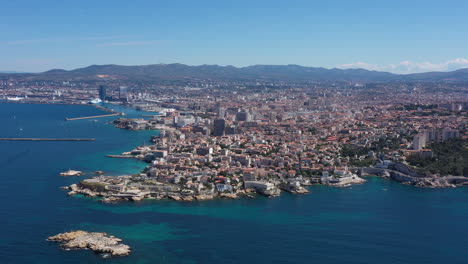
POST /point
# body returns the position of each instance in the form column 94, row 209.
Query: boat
column 95, row 101
column 15, row 98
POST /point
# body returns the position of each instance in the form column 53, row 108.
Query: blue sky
column 398, row 36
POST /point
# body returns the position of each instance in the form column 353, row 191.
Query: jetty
column 122, row 156
column 89, row 117
column 47, row 139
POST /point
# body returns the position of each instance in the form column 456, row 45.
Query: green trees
column 450, row 157
column 352, row 151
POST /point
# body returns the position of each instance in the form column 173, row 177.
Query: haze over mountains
column 178, row 71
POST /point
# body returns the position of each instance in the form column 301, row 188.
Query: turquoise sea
column 376, row 222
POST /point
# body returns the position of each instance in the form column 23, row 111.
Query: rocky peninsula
column 97, row 242
column 141, row 186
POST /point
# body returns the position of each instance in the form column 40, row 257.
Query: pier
column 47, row 139
column 89, row 117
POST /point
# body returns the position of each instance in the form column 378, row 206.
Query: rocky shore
column 111, row 195
column 97, row 242
column 138, row 187
column 347, row 181
column 404, row 174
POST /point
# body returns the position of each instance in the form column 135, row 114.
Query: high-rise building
column 221, row 112
column 243, row 116
column 123, row 91
column 102, row 92
column 218, row 127
column 441, row 135
column 419, row 141
column 434, row 135
column 448, row 133
column 231, row 130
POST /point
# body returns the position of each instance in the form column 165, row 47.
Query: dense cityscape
column 228, row 139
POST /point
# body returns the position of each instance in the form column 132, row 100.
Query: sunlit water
column 377, row 222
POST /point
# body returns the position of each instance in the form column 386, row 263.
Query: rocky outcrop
column 174, row 197
column 275, row 192
column 112, row 200
column 187, row 198
column 228, row 195
column 97, row 242
column 300, row 190
column 136, row 198
column 71, row 173
column 203, row 197
column 434, row 183
column 295, row 189
column 347, row 181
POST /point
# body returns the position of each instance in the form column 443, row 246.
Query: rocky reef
column 97, row 242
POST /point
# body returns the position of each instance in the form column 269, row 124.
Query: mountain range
column 178, row 71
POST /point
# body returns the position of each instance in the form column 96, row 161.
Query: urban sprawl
column 232, row 139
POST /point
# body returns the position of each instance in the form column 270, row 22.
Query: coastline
column 93, row 187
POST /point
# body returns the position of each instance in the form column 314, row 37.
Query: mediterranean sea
column 377, row 222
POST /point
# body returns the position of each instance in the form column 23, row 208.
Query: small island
column 97, row 242
column 71, row 173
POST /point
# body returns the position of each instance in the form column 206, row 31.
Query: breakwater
column 122, row 156
column 89, row 117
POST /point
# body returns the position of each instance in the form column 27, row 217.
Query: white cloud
column 410, row 67
column 361, row 65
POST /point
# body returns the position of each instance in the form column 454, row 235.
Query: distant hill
column 10, row 72
column 178, row 71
